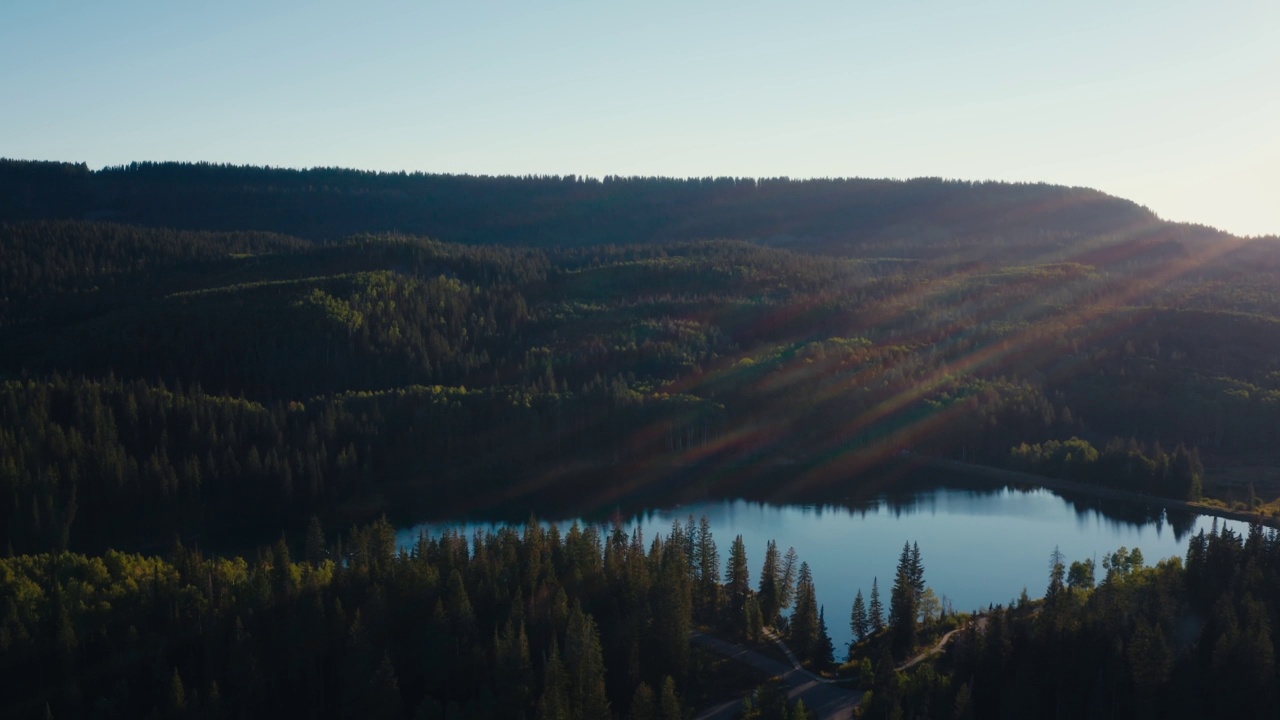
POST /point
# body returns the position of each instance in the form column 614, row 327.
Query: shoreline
column 1021, row 478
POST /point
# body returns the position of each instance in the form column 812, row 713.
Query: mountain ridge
column 829, row 215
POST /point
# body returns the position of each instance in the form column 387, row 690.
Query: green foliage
column 859, row 621
column 1174, row 640
column 904, row 602
column 769, row 702
column 371, row 632
column 731, row 356
column 217, row 383
column 1124, row 465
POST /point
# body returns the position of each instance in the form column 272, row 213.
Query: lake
column 980, row 546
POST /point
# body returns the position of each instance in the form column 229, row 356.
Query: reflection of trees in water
column 902, row 491
column 915, row 491
column 1183, row 522
column 1123, row 512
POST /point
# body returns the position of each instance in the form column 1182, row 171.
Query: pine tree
column 917, row 572
column 859, row 624
column 903, row 606
column 553, row 704
column 787, row 580
column 769, row 591
column 877, row 608
column 824, row 652
column 737, row 578
column 643, row 704
column 513, row 669
column 177, row 695
column 804, row 619
column 584, row 666
column 754, row 619
column 672, row 610
column 669, row 706
column 708, row 563
column 1057, row 575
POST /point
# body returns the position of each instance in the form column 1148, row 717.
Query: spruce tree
column 787, row 579
column 514, row 668
column 584, row 666
column 877, row 608
column 859, row 623
column 737, row 578
column 903, row 606
column 804, row 619
column 708, row 563
column 824, row 653
column 643, row 704
column 669, row 707
column 1057, row 576
column 672, row 610
column 769, row 591
column 553, row 704
column 177, row 695
column 917, row 572
column 754, row 619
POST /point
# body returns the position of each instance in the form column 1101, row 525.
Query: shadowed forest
column 198, row 355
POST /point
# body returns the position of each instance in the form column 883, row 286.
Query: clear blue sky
column 1173, row 104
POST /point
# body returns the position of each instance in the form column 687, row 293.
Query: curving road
column 822, row 697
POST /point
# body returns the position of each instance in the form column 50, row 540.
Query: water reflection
column 981, row 545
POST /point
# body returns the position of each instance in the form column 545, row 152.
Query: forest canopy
column 261, row 338
column 197, row 359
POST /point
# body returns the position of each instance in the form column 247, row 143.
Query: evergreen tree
column 917, row 572
column 859, row 623
column 804, row 618
column 903, row 608
column 770, row 592
column 643, row 704
column 177, row 696
column 708, row 562
column 824, row 654
column 514, row 669
column 669, row 707
column 787, row 579
column 737, row 578
column 877, row 608
column 754, row 619
column 584, row 667
column 553, row 703
column 672, row 610
column 1057, row 576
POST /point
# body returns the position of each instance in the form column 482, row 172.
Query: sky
column 1172, row 104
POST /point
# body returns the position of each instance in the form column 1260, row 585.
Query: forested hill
column 846, row 216
column 250, row 370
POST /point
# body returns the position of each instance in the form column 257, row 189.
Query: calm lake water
column 979, row 546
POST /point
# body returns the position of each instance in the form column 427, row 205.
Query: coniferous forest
column 215, row 380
